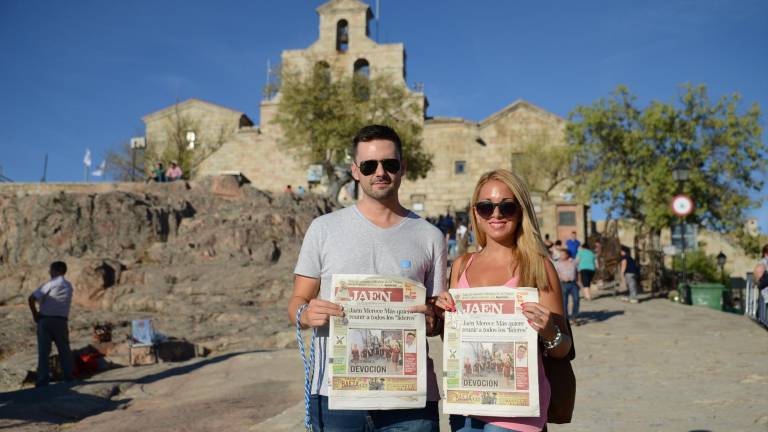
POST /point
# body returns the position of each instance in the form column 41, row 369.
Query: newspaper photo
column 378, row 348
column 490, row 359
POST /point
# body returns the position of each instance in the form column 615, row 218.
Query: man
column 375, row 236
column 566, row 271
column 55, row 298
column 410, row 342
column 761, row 270
column 573, row 244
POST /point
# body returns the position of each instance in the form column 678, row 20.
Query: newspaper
column 490, row 358
column 378, row 349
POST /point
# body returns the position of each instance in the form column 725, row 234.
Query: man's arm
column 35, row 314
column 305, row 290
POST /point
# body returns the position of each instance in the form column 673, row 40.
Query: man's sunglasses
column 507, row 208
column 368, row 167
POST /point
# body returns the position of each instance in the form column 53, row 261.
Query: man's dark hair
column 60, row 267
column 377, row 132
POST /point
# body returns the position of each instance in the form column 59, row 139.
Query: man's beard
column 379, row 194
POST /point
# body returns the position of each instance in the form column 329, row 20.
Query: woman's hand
column 540, row 318
column 445, row 302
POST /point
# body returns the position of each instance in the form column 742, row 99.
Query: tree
column 122, row 165
column 319, row 116
column 170, row 144
column 173, row 145
column 544, row 163
column 625, row 156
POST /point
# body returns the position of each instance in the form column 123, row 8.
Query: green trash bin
column 684, row 293
column 711, row 295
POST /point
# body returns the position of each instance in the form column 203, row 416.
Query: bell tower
column 344, row 25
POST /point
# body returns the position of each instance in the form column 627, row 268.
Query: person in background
column 158, row 174
column 174, row 172
column 631, row 272
column 556, row 250
column 55, row 299
column 566, row 270
column 761, row 270
column 573, row 244
column 587, row 267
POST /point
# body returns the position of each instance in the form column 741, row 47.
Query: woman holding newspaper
column 514, row 255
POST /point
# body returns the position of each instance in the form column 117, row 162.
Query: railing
column 755, row 302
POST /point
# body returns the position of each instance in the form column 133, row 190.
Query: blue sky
column 81, row 74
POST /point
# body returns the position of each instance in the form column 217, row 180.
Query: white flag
column 98, row 172
column 87, row 158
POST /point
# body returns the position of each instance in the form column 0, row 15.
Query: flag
column 87, row 158
column 98, row 172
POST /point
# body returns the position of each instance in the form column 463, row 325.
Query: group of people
column 378, row 234
column 457, row 236
column 576, row 265
column 161, row 175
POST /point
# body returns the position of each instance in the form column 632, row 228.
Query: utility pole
column 45, row 169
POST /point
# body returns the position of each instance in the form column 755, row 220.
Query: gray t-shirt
column 55, row 297
column 345, row 241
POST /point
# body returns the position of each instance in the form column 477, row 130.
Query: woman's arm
column 548, row 313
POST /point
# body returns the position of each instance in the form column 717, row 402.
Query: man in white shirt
column 55, row 298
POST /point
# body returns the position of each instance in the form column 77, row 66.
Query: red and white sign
column 682, row 205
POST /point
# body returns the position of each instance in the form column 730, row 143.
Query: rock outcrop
column 209, row 261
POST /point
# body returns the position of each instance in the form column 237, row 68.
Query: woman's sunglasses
column 368, row 167
column 507, row 208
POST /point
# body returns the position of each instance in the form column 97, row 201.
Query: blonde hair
column 530, row 253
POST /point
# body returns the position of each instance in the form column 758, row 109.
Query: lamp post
column 721, row 263
column 137, row 143
column 191, row 137
column 682, row 206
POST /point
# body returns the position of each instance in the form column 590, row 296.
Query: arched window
column 362, row 68
column 360, row 79
column 323, row 69
column 342, row 36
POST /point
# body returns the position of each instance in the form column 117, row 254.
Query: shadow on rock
column 71, row 402
column 54, row 404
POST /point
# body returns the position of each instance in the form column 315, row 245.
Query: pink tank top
column 522, row 424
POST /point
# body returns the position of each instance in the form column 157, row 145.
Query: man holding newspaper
column 377, row 236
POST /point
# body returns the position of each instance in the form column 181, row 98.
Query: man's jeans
column 631, row 280
column 570, row 288
column 53, row 329
column 404, row 420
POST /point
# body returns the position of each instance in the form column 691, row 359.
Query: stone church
column 462, row 149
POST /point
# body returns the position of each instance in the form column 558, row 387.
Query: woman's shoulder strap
column 465, row 259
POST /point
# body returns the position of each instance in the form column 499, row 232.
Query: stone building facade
column 462, row 149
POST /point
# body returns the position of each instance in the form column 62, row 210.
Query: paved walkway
column 656, row 366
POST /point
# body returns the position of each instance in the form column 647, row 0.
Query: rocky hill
column 210, row 262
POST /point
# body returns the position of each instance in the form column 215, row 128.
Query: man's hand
column 320, row 312
column 432, row 321
column 35, row 313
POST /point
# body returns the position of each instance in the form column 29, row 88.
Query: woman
column 512, row 255
column 585, row 260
